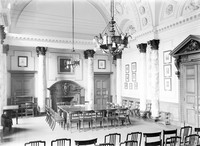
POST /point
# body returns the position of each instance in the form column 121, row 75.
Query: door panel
column 190, row 94
column 101, row 90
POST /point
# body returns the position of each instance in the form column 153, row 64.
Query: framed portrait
column 22, row 61
column 167, row 57
column 133, row 76
column 127, row 77
column 127, row 68
column 167, row 84
column 125, row 85
column 101, row 64
column 167, row 70
column 130, row 85
column 64, row 66
column 133, row 66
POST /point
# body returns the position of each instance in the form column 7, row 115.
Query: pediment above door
column 187, row 51
column 190, row 45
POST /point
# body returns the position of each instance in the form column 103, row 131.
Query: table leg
column 16, row 116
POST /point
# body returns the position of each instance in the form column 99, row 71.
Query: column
column 143, row 76
column 89, row 55
column 41, row 83
column 154, row 44
column 118, row 78
column 3, row 71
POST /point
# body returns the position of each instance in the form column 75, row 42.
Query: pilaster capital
column 2, row 34
column 154, row 44
column 142, row 47
column 89, row 53
column 41, row 50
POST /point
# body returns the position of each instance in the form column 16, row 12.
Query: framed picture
column 64, row 65
column 125, row 85
column 130, row 85
column 22, row 61
column 167, row 84
column 127, row 77
column 101, row 64
column 167, row 57
column 127, row 68
column 167, row 70
column 133, row 76
column 133, row 66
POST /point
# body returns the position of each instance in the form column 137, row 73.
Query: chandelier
column 72, row 63
column 112, row 40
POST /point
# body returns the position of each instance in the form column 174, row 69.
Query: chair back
column 167, row 134
column 185, row 131
column 192, row 140
column 136, row 136
column 129, row 143
column 154, row 136
column 86, row 142
column 173, row 141
column 197, row 130
column 61, row 142
column 114, row 138
column 35, row 143
column 106, row 144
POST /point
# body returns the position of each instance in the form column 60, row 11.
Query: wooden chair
column 147, row 113
column 155, row 135
column 111, row 116
column 185, row 131
column 114, row 138
column 100, row 116
column 74, row 117
column 29, row 108
column 197, row 130
column 35, row 143
column 191, row 140
column 61, row 142
column 86, row 142
column 167, row 134
column 123, row 116
column 129, row 143
column 173, row 141
column 87, row 116
column 135, row 136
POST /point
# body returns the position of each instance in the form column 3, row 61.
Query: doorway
column 101, row 90
column 190, row 91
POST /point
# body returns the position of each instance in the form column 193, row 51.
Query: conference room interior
column 84, row 69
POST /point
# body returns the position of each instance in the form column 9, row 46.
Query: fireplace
column 66, row 91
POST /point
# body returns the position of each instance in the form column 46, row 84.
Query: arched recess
column 187, row 61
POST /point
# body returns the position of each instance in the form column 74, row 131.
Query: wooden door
column 190, row 93
column 22, row 84
column 101, row 90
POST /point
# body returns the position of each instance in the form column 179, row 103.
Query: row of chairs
column 103, row 117
column 52, row 118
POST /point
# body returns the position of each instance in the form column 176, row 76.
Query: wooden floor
column 36, row 128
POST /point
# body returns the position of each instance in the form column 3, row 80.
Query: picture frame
column 167, row 84
column 101, row 64
column 133, row 76
column 167, row 70
column 167, row 58
column 63, row 65
column 22, row 61
column 134, row 66
column 130, row 86
column 125, row 85
column 127, row 68
column 127, row 78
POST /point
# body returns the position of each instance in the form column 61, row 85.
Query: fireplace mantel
column 65, row 91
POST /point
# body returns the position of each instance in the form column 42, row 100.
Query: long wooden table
column 14, row 108
column 67, row 110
